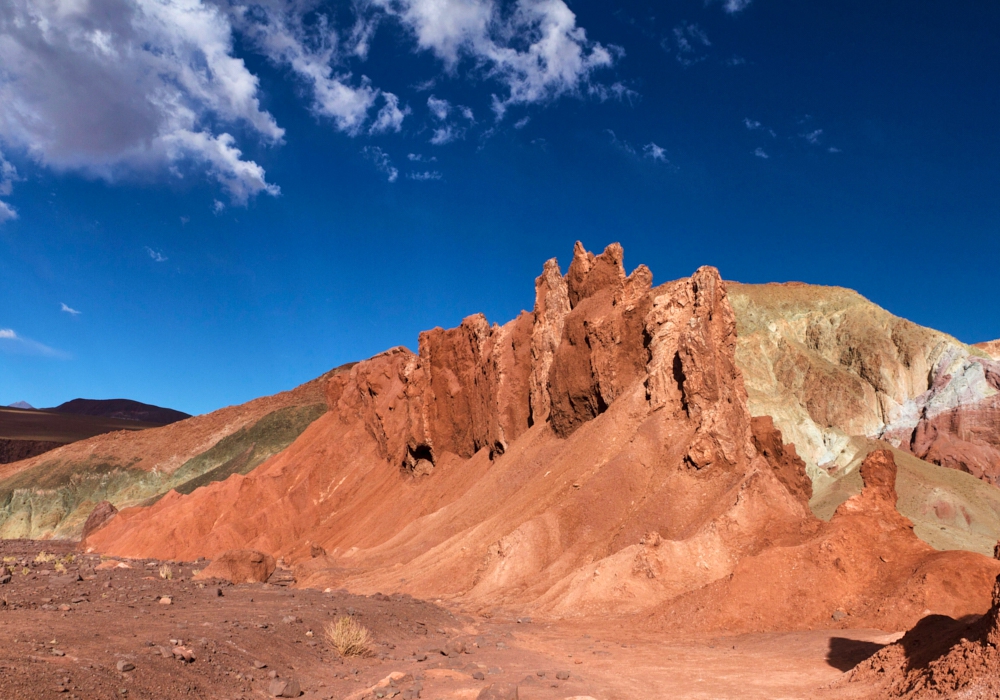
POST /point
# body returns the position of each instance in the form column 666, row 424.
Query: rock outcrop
column 595, row 456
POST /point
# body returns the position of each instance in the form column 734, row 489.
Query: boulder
column 240, row 566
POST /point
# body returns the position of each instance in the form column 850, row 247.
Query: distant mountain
column 121, row 409
column 22, row 404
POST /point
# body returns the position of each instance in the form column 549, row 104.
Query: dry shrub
column 349, row 637
column 166, row 572
column 44, row 558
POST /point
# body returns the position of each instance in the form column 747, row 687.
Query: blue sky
column 231, row 199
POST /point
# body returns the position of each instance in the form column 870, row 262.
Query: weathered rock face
column 787, row 465
column 596, row 455
column 829, row 366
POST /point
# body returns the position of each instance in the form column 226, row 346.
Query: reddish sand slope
column 594, row 457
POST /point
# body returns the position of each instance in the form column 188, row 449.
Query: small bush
column 349, row 637
column 44, row 558
column 166, row 572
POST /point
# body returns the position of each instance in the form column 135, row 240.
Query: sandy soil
column 69, row 638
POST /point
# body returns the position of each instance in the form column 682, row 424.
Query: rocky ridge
column 595, row 456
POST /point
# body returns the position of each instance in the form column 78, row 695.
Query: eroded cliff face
column 596, row 455
column 829, row 366
column 500, row 463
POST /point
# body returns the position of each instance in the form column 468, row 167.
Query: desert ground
column 73, row 623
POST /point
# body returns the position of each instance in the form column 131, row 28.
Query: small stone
column 58, row 652
column 838, row 615
column 166, row 600
column 282, row 688
column 498, row 691
column 562, row 675
column 65, row 608
column 125, row 666
column 479, row 676
column 540, row 674
column 259, row 664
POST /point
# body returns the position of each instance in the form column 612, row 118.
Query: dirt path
column 109, row 636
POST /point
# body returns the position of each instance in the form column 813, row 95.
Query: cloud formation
column 71, row 311
column 651, row 150
column 8, row 174
column 732, row 7
column 111, row 88
column 382, row 162
column 159, row 257
column 11, row 342
column 533, row 48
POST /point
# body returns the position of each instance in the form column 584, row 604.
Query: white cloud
column 617, row 91
column 751, row 124
column 620, row 143
column 446, row 134
column 533, row 47
column 107, row 87
column 439, row 108
column 217, row 206
column 688, row 42
column 382, row 162
column 67, row 309
column 390, row 117
column 8, row 174
column 419, row 158
column 156, row 255
column 115, row 88
column 651, row 150
column 833, row 149
column 813, row 137
column 425, row 175
column 521, row 123
column 761, row 153
column 13, row 343
column 732, row 7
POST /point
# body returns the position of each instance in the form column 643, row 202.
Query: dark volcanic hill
column 121, row 409
column 26, row 433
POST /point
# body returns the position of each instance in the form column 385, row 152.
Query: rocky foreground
column 78, row 626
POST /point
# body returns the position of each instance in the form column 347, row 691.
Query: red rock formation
column 594, row 456
column 239, row 566
column 787, row 465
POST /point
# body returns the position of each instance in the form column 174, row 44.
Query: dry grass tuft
column 166, row 572
column 349, row 637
